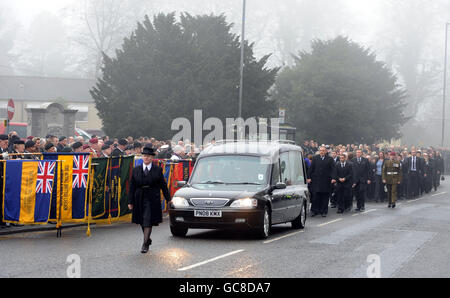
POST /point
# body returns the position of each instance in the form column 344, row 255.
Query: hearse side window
column 297, row 168
column 285, row 167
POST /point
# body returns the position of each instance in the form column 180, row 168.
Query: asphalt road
column 411, row 240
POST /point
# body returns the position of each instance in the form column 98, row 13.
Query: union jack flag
column 80, row 171
column 45, row 177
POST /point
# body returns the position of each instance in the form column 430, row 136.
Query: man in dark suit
column 121, row 147
column 144, row 199
column 333, row 201
column 321, row 175
column 414, row 166
column 343, row 190
column 361, row 168
column 403, row 191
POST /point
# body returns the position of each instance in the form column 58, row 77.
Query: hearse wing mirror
column 181, row 183
column 280, row 185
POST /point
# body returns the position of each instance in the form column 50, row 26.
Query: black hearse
column 243, row 185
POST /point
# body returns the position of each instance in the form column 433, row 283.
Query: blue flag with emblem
column 28, row 189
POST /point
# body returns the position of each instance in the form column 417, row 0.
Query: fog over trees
column 407, row 35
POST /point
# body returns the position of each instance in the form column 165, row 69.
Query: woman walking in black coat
column 144, row 197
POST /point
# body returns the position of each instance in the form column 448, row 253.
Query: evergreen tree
column 340, row 93
column 166, row 69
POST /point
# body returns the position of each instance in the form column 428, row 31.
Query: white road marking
column 279, row 238
column 330, row 222
column 410, row 201
column 365, row 212
column 438, row 194
column 211, row 260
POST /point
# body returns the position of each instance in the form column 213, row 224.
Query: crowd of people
column 378, row 173
column 336, row 173
column 13, row 147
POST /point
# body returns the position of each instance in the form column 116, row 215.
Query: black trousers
column 380, row 194
column 320, row 203
column 413, row 184
column 343, row 197
column 403, row 187
column 360, row 195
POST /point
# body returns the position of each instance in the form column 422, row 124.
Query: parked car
column 243, row 185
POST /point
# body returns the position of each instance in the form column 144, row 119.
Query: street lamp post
column 242, row 63
column 445, row 83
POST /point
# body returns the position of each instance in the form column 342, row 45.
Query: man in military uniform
column 392, row 177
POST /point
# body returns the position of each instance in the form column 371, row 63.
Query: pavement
column 35, row 228
column 409, row 241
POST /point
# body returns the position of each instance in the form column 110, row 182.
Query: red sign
column 10, row 109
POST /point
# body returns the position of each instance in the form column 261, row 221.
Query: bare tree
column 104, row 25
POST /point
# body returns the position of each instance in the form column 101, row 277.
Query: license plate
column 207, row 213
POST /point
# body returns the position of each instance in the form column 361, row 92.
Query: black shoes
column 333, row 206
column 357, row 209
column 145, row 246
column 324, row 215
column 340, row 211
column 390, row 205
column 393, row 205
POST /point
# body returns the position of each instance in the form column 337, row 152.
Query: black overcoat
column 321, row 173
column 147, row 188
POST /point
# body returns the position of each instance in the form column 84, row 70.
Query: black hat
column 148, row 151
column 3, row 137
column 77, row 145
column 62, row 138
column 123, row 142
column 48, row 146
column 19, row 142
column 137, row 145
column 29, row 144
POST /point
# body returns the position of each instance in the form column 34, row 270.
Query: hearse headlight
column 245, row 203
column 178, row 202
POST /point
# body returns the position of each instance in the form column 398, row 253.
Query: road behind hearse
column 411, row 240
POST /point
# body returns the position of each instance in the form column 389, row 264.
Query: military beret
column 109, row 143
column 49, row 146
column 29, row 144
column 104, row 147
column 67, row 149
column 393, row 153
column 93, row 141
column 123, row 142
column 3, row 137
column 77, row 145
column 19, row 142
column 137, row 145
column 62, row 138
column 85, row 146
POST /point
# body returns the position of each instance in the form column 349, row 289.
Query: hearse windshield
column 239, row 171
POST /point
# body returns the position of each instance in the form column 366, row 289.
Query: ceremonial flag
column 28, row 188
column 138, row 161
column 71, row 189
column 99, row 188
column 126, row 170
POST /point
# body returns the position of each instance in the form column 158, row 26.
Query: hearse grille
column 209, row 202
